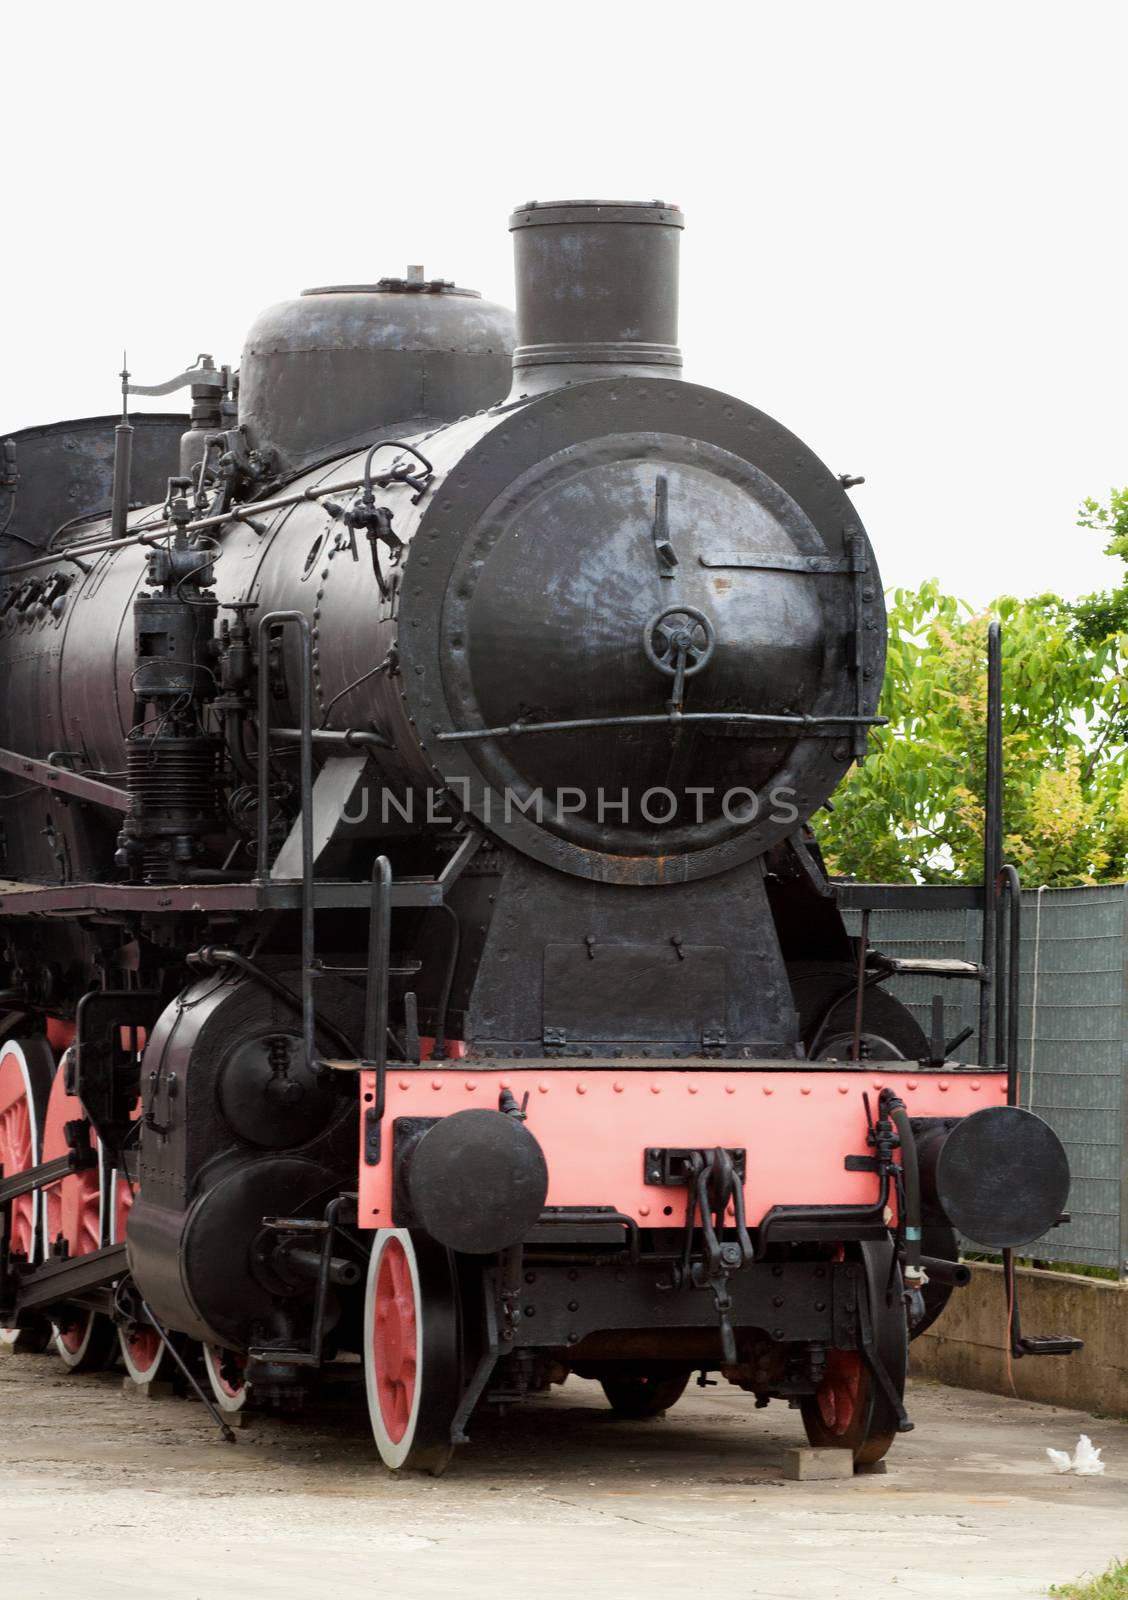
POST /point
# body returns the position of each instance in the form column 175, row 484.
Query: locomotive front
column 499, row 771
column 638, row 627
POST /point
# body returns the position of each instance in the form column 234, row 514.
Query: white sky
column 905, row 223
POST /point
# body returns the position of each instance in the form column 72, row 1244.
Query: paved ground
column 104, row 1498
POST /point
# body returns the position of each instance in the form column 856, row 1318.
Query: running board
column 68, row 1277
column 927, row 967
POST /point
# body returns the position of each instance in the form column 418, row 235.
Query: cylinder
column 597, row 291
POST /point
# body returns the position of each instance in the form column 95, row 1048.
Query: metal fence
column 1073, row 1056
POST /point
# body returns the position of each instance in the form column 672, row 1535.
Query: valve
column 679, row 642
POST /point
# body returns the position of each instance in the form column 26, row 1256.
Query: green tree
column 1099, row 615
column 914, row 811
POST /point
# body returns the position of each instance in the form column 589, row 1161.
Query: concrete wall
column 967, row 1346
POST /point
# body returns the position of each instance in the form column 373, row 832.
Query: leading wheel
column 73, row 1210
column 646, row 1390
column 227, row 1375
column 25, row 1083
column 142, row 1352
column 850, row 1411
column 142, row 1349
column 412, row 1349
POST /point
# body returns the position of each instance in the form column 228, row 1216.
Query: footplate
column 1048, row 1344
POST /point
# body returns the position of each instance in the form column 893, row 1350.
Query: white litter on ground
column 1085, row 1461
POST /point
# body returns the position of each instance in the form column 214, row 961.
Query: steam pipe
column 305, row 779
column 211, row 956
column 894, row 1108
column 438, row 1049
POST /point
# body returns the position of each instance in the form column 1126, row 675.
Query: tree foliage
column 914, row 811
column 1099, row 615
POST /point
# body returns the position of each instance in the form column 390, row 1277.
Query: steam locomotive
column 415, row 943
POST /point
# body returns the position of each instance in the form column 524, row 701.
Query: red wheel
column 73, row 1216
column 83, row 1340
column 842, row 1393
column 849, row 1410
column 142, row 1352
column 227, row 1374
column 25, row 1080
column 412, row 1359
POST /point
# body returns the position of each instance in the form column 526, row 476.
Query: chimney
column 597, row 292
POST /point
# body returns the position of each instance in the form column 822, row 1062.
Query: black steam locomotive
column 414, row 942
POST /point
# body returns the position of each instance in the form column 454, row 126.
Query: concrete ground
column 103, row 1497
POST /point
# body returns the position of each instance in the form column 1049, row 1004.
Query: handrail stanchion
column 992, row 836
column 1008, row 952
column 305, row 779
column 376, row 994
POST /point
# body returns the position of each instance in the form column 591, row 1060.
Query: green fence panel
column 1073, row 1039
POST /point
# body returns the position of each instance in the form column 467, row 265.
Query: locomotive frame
column 485, row 1098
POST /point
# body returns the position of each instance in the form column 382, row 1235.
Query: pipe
column 215, row 956
column 894, row 1108
column 234, row 722
column 379, row 961
column 807, row 725
column 243, row 513
column 992, row 835
column 73, row 553
column 1007, row 1005
column 280, row 619
column 306, row 1263
column 952, row 1274
column 438, row 1049
column 351, row 738
column 860, row 987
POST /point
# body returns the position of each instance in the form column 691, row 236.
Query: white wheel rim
column 114, row 1179
column 393, row 1452
column 71, row 1358
column 225, row 1398
column 140, row 1374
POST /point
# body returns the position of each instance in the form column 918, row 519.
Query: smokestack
column 597, row 291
